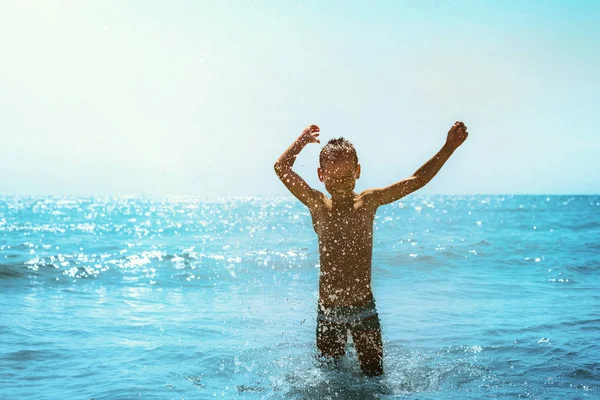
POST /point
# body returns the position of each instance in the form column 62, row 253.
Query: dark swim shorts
column 355, row 318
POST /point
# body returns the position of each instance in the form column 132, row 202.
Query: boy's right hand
column 310, row 134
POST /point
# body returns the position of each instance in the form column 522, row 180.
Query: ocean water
column 117, row 298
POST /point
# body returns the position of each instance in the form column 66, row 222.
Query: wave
column 12, row 271
column 589, row 225
column 156, row 267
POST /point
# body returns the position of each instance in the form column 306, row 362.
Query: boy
column 344, row 225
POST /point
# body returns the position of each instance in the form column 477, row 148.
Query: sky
column 201, row 97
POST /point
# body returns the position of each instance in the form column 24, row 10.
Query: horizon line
column 279, row 196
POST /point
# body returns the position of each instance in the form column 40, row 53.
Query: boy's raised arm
column 456, row 136
column 293, row 181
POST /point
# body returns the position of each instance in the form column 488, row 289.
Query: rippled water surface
column 109, row 298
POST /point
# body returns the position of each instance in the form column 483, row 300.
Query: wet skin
column 344, row 225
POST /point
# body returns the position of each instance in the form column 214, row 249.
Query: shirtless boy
column 344, row 225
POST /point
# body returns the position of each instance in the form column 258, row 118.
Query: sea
column 196, row 298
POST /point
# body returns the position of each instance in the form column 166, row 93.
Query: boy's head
column 339, row 167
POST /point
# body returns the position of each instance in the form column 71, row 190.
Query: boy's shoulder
column 361, row 200
column 366, row 198
column 317, row 201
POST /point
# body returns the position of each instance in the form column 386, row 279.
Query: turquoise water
column 479, row 297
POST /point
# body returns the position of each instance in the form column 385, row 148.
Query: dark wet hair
column 338, row 150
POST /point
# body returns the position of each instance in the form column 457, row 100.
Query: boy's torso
column 345, row 230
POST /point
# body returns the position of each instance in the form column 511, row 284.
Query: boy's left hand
column 457, row 134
